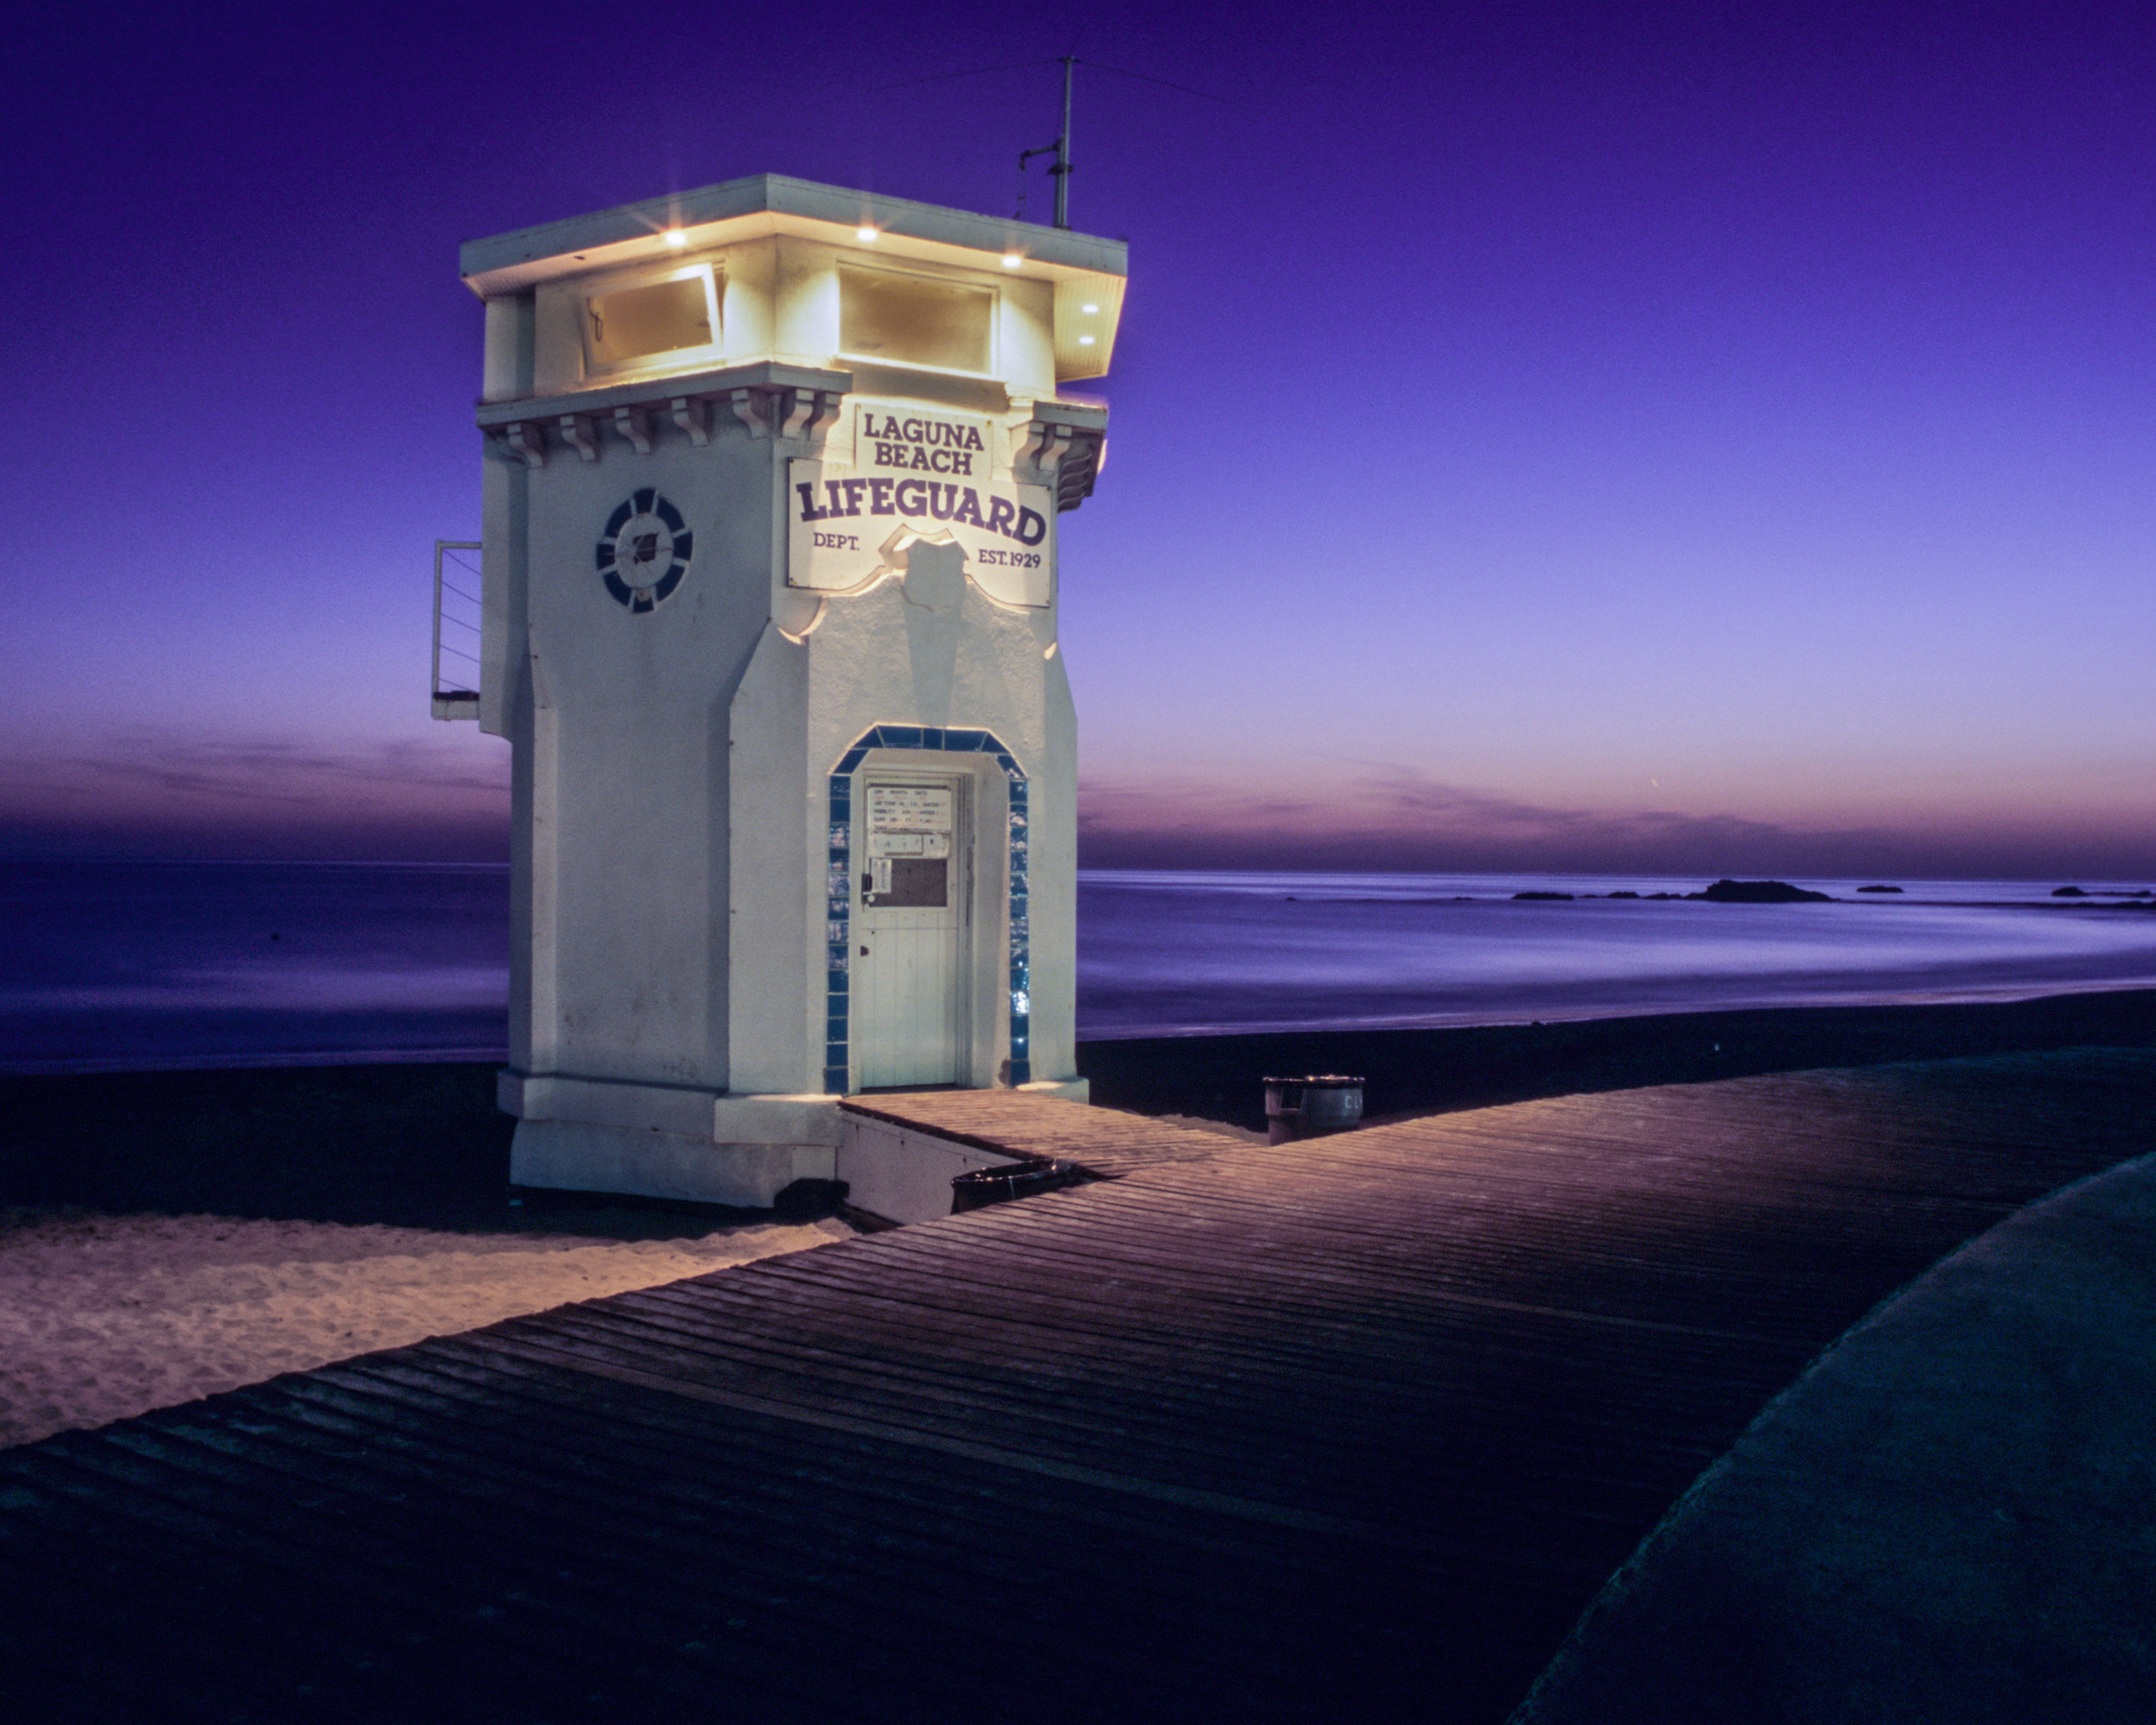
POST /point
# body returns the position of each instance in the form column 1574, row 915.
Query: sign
column 898, row 440
column 910, row 808
column 916, row 476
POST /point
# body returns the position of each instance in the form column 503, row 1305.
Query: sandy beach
column 102, row 1317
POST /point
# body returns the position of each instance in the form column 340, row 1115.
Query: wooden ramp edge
column 1103, row 1142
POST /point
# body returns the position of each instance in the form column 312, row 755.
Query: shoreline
column 420, row 1143
column 1822, row 1000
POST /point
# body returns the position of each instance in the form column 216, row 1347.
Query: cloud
column 448, row 799
column 142, row 792
column 1384, row 816
column 1396, row 810
column 258, row 771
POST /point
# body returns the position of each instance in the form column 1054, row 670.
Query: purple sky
column 1719, row 438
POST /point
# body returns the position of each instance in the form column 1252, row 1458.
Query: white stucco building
column 773, row 478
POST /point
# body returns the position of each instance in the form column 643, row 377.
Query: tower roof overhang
column 766, row 204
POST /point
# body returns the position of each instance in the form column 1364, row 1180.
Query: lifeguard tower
column 773, row 474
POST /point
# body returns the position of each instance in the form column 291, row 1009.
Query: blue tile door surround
column 839, row 890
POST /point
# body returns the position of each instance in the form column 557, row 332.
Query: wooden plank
column 874, row 1481
column 673, row 1535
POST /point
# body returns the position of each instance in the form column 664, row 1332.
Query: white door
column 910, row 964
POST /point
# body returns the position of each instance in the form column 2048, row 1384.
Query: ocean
column 130, row 966
column 117, row 966
column 1188, row 954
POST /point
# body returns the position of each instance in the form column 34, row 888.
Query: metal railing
column 456, row 604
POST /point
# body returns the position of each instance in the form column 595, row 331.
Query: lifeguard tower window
column 636, row 324
column 912, row 320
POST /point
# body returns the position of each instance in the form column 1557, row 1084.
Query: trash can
column 979, row 1188
column 1311, row 1107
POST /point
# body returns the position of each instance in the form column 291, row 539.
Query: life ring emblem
column 644, row 551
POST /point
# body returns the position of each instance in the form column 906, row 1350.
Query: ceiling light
column 676, row 237
column 1085, row 341
column 1088, row 308
column 865, row 233
column 1012, row 261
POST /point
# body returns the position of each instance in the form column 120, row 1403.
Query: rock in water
column 1760, row 893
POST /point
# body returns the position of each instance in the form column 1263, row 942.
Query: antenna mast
column 1062, row 170
column 1061, row 150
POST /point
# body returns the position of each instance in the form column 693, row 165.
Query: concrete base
column 655, row 1141
column 578, row 1155
column 904, row 1176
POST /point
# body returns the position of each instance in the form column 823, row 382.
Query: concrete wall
column 638, row 767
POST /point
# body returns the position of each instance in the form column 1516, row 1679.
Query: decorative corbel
column 1067, row 456
column 528, row 441
column 691, row 415
column 801, row 409
column 635, row 426
column 1077, row 466
column 749, row 411
column 1045, row 445
column 576, row 432
column 809, row 410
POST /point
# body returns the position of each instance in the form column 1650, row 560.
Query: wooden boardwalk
column 1350, row 1429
